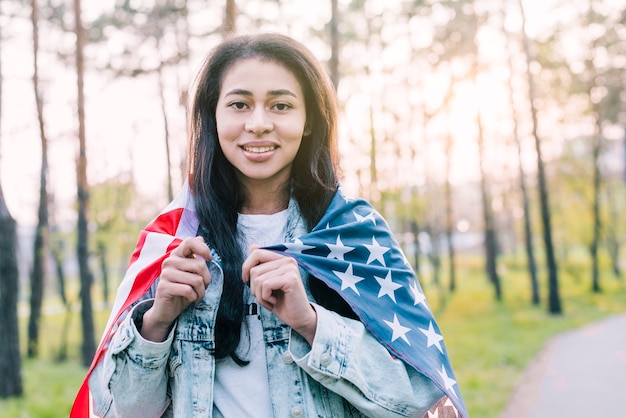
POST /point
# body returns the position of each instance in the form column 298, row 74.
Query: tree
column 10, row 362
column 229, row 25
column 554, row 298
column 528, row 232
column 38, row 272
column 82, row 245
column 333, row 63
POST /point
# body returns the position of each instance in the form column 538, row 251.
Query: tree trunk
column 229, row 26
column 102, row 256
column 166, row 128
column 528, row 233
column 490, row 240
column 10, row 362
column 38, row 272
column 491, row 243
column 82, row 248
column 613, row 242
column 554, row 299
column 415, row 230
column 56, row 250
column 450, row 216
column 595, row 207
column 334, row 44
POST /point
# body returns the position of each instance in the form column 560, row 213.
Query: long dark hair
column 218, row 194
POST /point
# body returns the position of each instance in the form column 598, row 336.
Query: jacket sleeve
column 131, row 379
column 348, row 360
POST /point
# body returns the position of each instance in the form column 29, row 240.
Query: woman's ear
column 307, row 129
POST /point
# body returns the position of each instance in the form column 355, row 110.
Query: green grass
column 490, row 343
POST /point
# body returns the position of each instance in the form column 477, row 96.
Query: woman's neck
column 261, row 201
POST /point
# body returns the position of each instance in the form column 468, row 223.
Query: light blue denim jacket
column 345, row 373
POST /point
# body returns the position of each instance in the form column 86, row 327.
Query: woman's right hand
column 184, row 278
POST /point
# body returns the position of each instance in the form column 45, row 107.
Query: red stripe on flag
column 144, row 279
column 166, row 223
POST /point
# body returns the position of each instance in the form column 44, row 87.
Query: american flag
column 352, row 250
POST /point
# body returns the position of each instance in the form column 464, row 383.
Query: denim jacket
column 345, row 373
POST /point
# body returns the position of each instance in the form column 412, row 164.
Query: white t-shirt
column 244, row 391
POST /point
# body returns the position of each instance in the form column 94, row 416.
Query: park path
column 579, row 374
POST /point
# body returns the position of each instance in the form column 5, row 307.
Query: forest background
column 490, row 134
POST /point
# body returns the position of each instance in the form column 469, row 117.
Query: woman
column 216, row 316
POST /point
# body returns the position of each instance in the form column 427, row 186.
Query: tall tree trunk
column 491, row 242
column 56, row 250
column 595, row 206
column 10, row 361
column 166, row 127
column 82, row 248
column 613, row 242
column 450, row 215
column 554, row 298
column 528, row 232
column 596, row 152
column 38, row 272
column 415, row 231
column 102, row 257
column 229, row 26
column 334, row 43
column 490, row 237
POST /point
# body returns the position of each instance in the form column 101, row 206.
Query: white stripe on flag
column 155, row 246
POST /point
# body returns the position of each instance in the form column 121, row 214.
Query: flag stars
column 369, row 217
column 387, row 287
column 376, row 252
column 448, row 382
column 348, row 279
column 433, row 338
column 297, row 247
column 399, row 331
column 338, row 250
column 418, row 296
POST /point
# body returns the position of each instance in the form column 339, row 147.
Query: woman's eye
column 238, row 105
column 282, row 106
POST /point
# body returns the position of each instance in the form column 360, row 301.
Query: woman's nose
column 258, row 122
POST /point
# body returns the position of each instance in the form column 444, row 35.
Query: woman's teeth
column 259, row 150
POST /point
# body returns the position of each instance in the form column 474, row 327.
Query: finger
column 173, row 290
column 173, row 266
column 193, row 248
column 194, row 282
column 256, row 258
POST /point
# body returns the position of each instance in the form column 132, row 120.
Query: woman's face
column 261, row 119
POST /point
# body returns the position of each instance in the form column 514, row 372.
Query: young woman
column 241, row 299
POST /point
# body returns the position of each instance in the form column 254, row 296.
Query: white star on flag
column 447, row 381
column 417, row 294
column 399, row 331
column 338, row 250
column 387, row 286
column 433, row 337
column 348, row 279
column 296, row 247
column 368, row 217
column 434, row 414
column 376, row 252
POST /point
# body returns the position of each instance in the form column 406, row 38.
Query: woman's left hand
column 276, row 283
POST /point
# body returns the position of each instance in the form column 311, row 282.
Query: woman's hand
column 184, row 278
column 276, row 283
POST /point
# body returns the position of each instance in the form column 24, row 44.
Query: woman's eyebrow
column 279, row 92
